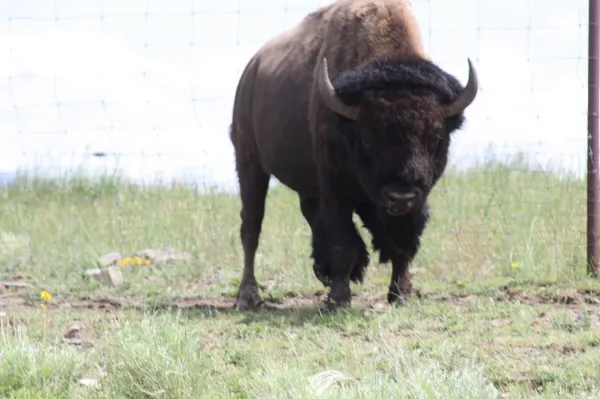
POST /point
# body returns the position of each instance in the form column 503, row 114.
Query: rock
column 109, row 259
column 112, row 275
column 116, row 275
column 149, row 254
column 88, row 381
column 93, row 272
column 167, row 255
column 74, row 330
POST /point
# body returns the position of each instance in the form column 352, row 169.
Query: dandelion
column 45, row 295
column 514, row 265
column 137, row 261
column 134, row 261
column 125, row 261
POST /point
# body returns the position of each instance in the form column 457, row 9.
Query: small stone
column 109, row 275
column 109, row 259
column 167, row 255
column 149, row 254
column 74, row 330
column 88, row 381
column 93, row 272
column 116, row 275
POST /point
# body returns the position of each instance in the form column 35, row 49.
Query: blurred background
column 144, row 88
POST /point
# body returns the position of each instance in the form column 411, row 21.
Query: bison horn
column 331, row 98
column 466, row 97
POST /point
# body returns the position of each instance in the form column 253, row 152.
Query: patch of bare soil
column 561, row 297
column 300, row 301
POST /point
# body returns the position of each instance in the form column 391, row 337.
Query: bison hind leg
column 254, row 184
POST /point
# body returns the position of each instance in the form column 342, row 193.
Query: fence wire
column 138, row 95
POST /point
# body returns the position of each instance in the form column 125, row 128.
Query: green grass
column 482, row 328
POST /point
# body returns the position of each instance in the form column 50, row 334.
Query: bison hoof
column 398, row 298
column 248, row 298
column 332, row 305
column 339, row 297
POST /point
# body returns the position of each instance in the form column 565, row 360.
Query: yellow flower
column 514, row 265
column 125, row 261
column 45, row 295
column 135, row 261
column 42, row 305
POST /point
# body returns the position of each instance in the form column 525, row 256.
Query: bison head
column 396, row 118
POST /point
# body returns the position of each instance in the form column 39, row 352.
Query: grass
column 505, row 308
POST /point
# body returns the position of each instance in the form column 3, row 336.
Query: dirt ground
column 565, row 299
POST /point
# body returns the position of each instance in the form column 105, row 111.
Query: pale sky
column 153, row 83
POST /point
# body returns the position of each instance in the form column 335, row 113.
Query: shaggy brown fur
column 375, row 144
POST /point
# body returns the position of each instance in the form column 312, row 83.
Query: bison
column 347, row 110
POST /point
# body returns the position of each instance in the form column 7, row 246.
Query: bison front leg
column 400, row 288
column 320, row 240
column 348, row 251
column 406, row 237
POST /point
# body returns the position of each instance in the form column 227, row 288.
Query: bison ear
column 330, row 97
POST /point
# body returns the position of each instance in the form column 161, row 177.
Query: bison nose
column 394, row 197
column 399, row 203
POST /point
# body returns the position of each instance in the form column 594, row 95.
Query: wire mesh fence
column 115, row 138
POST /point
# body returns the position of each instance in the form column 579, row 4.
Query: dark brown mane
column 396, row 74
